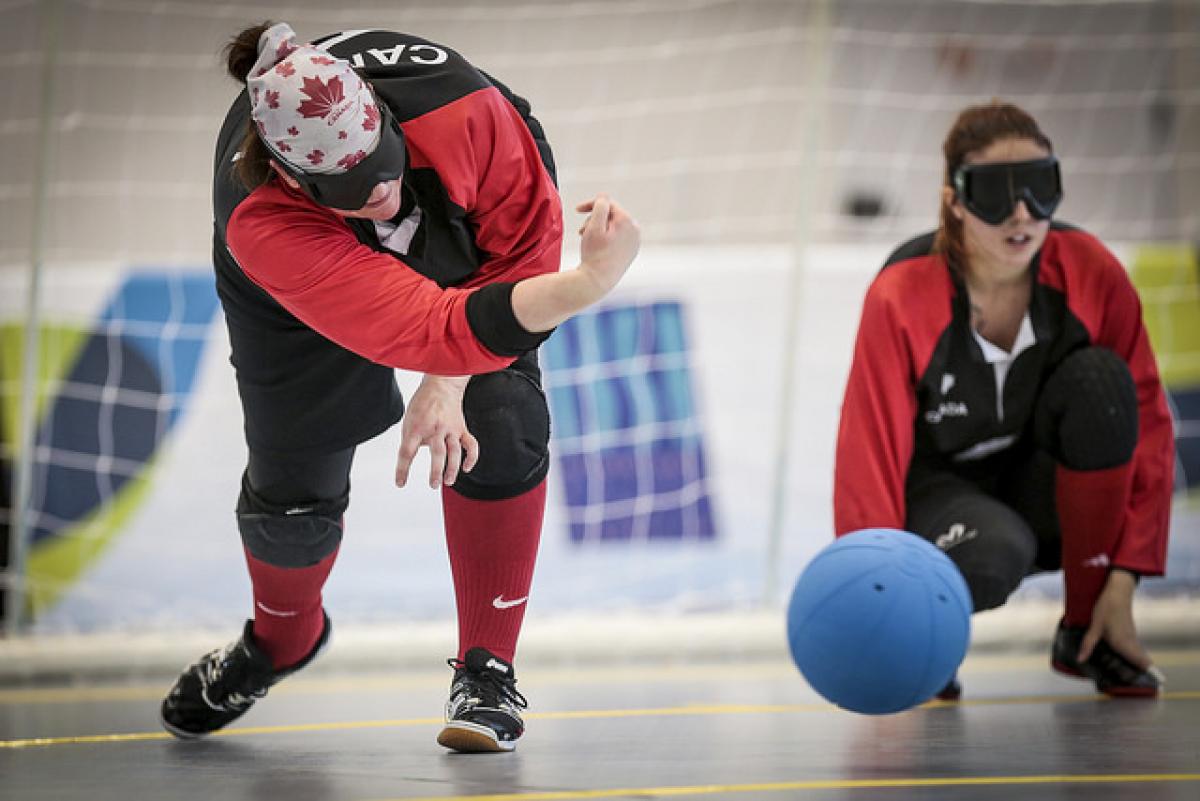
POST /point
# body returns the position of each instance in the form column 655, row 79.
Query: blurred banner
column 665, row 407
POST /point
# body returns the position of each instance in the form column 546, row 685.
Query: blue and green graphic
column 109, row 395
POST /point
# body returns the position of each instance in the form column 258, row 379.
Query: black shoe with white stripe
column 222, row 685
column 484, row 710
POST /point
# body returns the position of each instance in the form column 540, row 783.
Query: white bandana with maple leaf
column 312, row 110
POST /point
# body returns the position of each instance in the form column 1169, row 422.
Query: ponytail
column 253, row 168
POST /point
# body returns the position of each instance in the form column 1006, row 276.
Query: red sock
column 288, row 618
column 1091, row 516
column 493, row 546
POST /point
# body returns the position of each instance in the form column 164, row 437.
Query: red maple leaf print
column 347, row 162
column 342, row 134
column 254, row 97
column 286, row 69
column 284, row 50
column 283, row 147
column 272, row 98
column 322, row 97
column 294, row 131
column 316, row 157
column 324, row 61
column 370, row 117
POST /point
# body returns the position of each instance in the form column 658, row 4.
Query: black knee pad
column 1087, row 414
column 289, row 535
column 506, row 411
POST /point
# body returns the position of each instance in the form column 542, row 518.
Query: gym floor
column 732, row 730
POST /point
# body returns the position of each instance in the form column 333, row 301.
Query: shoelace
column 504, row 687
column 218, row 675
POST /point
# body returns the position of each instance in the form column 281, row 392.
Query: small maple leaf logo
column 315, row 157
column 322, row 97
column 370, row 117
column 285, row 69
column 294, row 131
column 324, row 61
column 282, row 146
column 347, row 162
column 272, row 98
column 342, row 134
column 284, row 50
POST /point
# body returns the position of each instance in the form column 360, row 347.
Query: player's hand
column 1112, row 619
column 434, row 419
column 611, row 239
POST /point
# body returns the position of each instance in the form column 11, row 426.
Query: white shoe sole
column 472, row 738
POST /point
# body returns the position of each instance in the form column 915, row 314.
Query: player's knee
column 289, row 535
column 989, row 589
column 506, row 412
column 1087, row 415
column 993, row 557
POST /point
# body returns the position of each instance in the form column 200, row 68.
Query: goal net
column 773, row 152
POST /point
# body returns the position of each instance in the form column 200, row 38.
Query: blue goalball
column 879, row 621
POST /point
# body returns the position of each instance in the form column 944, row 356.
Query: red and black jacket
column 920, row 389
column 479, row 198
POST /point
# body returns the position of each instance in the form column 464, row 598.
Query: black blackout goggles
column 991, row 191
column 348, row 191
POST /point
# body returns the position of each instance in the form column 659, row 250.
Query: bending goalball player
column 380, row 204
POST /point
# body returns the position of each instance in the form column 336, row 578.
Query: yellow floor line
column 825, row 784
column 319, row 685
column 592, row 714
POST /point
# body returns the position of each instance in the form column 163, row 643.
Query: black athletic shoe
column 952, row 691
column 483, row 713
column 222, row 685
column 1113, row 674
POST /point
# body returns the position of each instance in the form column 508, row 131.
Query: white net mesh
column 748, row 138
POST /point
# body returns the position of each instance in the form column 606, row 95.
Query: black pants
column 505, row 410
column 997, row 520
column 997, row 530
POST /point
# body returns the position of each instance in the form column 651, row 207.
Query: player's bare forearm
column 610, row 241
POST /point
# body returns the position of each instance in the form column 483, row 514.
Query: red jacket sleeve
column 490, row 166
column 367, row 302
column 875, row 433
column 1109, row 307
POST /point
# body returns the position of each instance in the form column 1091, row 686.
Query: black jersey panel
column 413, row 75
column 917, row 246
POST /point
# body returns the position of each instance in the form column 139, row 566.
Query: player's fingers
column 1090, row 638
column 1131, row 648
column 453, row 460
column 589, row 204
column 471, row 448
column 437, row 461
column 404, row 458
column 598, row 218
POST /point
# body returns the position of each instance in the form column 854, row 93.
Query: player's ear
column 949, row 199
column 287, row 179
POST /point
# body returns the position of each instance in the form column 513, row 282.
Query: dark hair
column 253, row 168
column 976, row 128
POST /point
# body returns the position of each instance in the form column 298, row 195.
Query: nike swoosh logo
column 275, row 612
column 500, row 603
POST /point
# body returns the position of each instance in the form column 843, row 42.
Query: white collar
column 994, row 353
